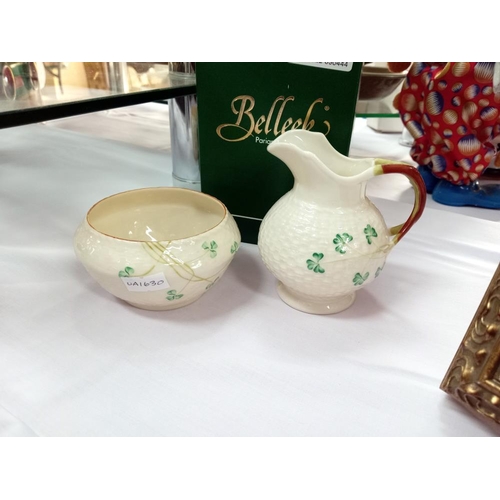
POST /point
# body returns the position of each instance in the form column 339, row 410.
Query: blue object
column 475, row 195
column 430, row 179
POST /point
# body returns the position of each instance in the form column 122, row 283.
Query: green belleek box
column 243, row 107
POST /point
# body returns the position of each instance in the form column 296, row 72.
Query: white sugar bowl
column 157, row 248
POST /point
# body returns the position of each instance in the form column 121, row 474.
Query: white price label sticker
column 149, row 283
column 337, row 66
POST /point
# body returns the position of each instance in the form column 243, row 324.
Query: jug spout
column 299, row 149
column 318, row 168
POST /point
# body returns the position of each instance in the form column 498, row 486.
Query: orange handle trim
column 420, row 194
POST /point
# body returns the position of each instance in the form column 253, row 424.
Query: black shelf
column 18, row 117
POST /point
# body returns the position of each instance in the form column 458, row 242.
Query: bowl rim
column 158, row 188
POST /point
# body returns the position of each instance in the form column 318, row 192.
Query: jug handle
column 413, row 175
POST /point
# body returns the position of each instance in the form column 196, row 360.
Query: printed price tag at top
column 149, row 283
column 337, row 66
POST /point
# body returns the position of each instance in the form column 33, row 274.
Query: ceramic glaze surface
column 324, row 240
column 323, row 251
column 151, row 274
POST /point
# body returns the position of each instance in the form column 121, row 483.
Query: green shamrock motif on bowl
column 173, row 295
column 211, row 247
column 126, row 273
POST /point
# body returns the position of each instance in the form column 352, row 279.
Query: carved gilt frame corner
column 473, row 377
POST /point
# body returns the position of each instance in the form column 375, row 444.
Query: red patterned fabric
column 453, row 114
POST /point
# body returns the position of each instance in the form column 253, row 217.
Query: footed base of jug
column 315, row 306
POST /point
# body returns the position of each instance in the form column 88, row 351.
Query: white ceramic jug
column 324, row 239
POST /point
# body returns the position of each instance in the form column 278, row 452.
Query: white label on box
column 149, row 283
column 338, row 66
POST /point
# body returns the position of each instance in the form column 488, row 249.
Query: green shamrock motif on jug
column 173, row 295
column 359, row 280
column 370, row 233
column 234, row 247
column 126, row 273
column 211, row 247
column 379, row 270
column 313, row 265
column 341, row 241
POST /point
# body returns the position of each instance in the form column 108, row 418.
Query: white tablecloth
column 75, row 361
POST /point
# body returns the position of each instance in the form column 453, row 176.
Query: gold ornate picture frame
column 473, row 377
